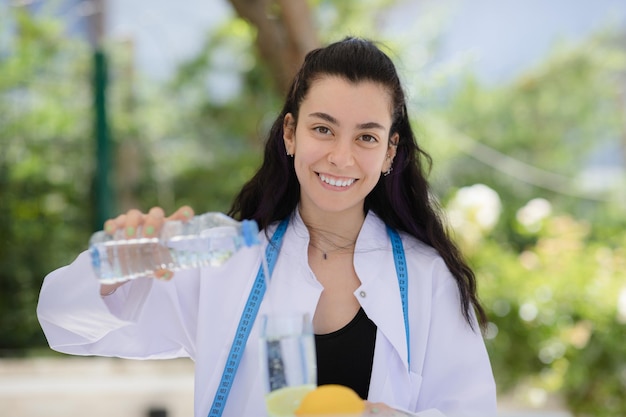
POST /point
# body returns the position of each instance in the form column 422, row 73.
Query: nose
column 340, row 153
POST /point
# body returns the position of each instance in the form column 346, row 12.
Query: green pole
column 104, row 198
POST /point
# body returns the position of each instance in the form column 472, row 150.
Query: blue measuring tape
column 246, row 322
column 403, row 282
column 256, row 296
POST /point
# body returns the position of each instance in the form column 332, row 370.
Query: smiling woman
column 356, row 244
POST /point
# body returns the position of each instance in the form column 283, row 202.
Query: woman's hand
column 148, row 225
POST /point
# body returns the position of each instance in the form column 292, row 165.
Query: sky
column 164, row 31
column 505, row 37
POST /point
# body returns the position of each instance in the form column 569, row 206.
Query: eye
column 368, row 138
column 322, row 129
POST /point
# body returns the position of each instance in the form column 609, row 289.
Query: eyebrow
column 331, row 119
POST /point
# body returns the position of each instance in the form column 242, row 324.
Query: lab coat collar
column 379, row 293
column 293, row 287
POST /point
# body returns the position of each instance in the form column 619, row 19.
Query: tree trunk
column 285, row 34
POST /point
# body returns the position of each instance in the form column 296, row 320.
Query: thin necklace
column 349, row 248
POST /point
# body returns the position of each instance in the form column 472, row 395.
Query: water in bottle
column 205, row 240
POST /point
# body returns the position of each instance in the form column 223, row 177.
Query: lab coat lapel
column 381, row 302
column 379, row 293
column 293, row 287
column 390, row 380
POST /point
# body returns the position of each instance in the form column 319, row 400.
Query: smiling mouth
column 337, row 182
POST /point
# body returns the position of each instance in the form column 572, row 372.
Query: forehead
column 363, row 101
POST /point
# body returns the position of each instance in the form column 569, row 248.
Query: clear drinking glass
column 288, row 361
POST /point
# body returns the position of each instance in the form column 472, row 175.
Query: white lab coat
column 196, row 314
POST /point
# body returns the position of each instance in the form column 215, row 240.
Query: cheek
column 375, row 161
column 304, row 159
column 308, row 152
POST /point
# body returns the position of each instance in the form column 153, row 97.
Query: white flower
column 533, row 213
column 474, row 211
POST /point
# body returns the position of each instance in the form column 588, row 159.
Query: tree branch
column 285, row 34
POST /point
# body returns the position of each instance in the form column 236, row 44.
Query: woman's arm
column 141, row 319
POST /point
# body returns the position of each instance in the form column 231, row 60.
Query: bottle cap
column 250, row 232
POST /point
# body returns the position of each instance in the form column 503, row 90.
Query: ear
column 391, row 153
column 289, row 133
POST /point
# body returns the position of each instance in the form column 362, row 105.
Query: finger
column 134, row 218
column 113, row 226
column 110, row 226
column 156, row 212
column 184, row 213
column 163, row 274
column 153, row 222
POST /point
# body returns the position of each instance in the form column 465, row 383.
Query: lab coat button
column 363, row 294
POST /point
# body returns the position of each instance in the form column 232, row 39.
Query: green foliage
column 557, row 322
column 337, row 19
column 213, row 188
column 555, row 289
column 534, row 137
column 227, row 122
column 44, row 100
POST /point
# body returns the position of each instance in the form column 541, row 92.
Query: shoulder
column 424, row 263
column 425, row 260
column 420, row 257
column 415, row 250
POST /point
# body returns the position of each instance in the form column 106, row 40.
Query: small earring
column 289, row 154
column 390, row 166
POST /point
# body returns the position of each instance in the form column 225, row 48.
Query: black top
column 345, row 357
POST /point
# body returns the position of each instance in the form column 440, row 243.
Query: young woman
column 343, row 167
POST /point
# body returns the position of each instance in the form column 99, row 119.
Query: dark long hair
column 402, row 199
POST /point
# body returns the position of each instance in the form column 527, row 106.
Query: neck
column 333, row 233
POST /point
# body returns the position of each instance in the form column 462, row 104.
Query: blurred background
column 111, row 104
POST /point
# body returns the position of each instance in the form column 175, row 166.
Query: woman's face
column 340, row 143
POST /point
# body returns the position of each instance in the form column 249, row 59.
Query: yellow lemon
column 331, row 400
column 284, row 401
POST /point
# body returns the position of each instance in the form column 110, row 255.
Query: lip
column 336, row 183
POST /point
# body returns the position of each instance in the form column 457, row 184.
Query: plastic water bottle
column 205, row 240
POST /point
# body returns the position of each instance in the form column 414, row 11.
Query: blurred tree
column 557, row 317
column 551, row 273
column 44, row 210
column 285, row 33
column 286, row 30
column 46, row 159
column 538, row 136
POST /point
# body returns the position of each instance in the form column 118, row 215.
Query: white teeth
column 337, row 183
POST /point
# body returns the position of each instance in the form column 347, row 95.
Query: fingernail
column 187, row 213
column 130, row 231
column 108, row 228
column 166, row 276
column 149, row 230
